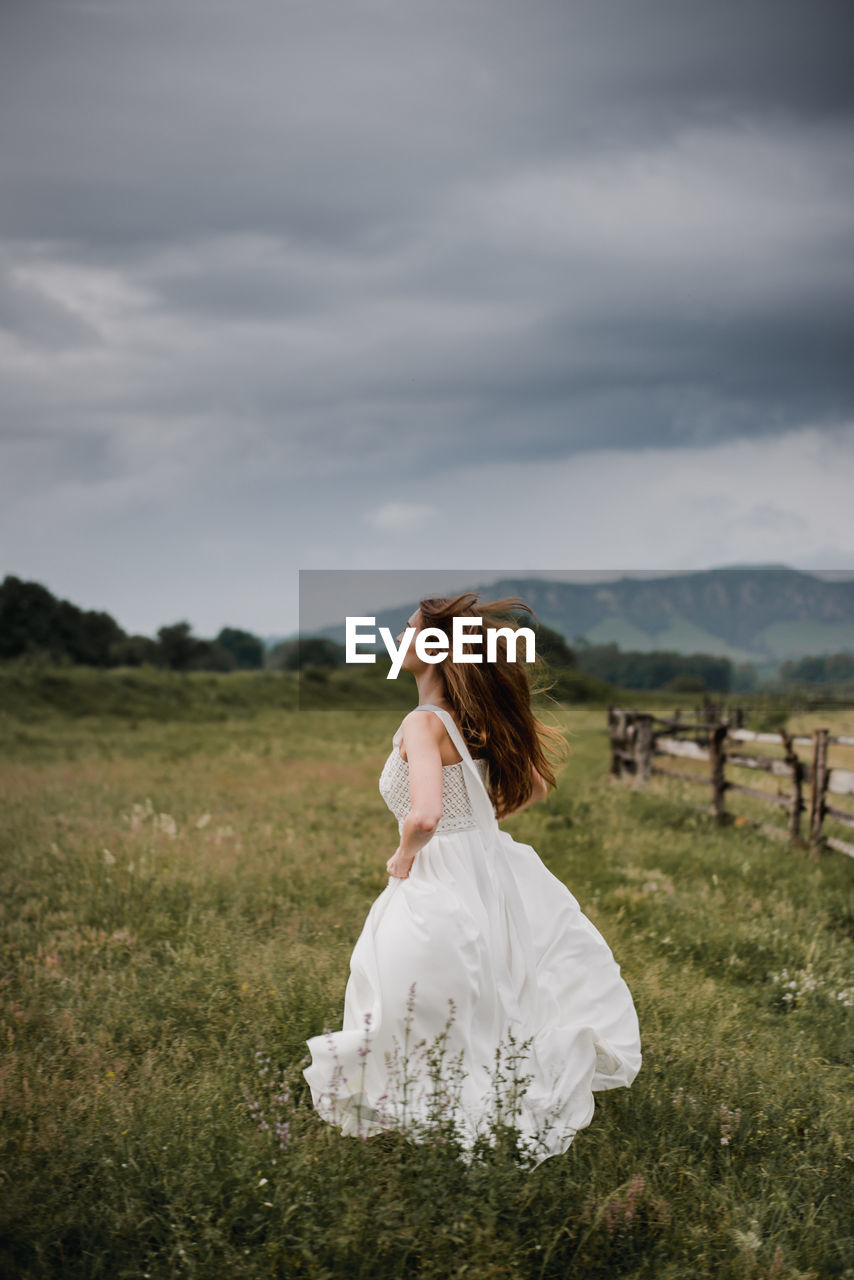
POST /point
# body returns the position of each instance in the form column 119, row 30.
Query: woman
column 478, row 991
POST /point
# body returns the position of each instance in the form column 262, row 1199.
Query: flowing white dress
column 485, row 956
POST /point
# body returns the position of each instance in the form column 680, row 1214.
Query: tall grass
column 179, row 901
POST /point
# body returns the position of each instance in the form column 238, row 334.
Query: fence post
column 617, row 732
column 818, row 788
column 643, row 750
column 717, row 756
column 797, row 805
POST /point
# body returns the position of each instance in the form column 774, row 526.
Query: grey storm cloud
column 367, row 233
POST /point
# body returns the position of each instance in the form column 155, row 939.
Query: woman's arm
column 421, row 741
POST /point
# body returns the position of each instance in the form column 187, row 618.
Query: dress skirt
column 479, row 992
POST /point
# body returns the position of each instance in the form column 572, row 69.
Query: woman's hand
column 399, row 864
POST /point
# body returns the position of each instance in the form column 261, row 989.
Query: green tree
column 552, row 647
column 840, row 666
column 686, row 683
column 134, row 651
column 27, row 619
column 246, row 649
column 745, row 678
column 177, row 645
column 308, row 651
column 33, row 620
column 818, row 668
column 811, row 670
column 209, row 655
column 636, row 669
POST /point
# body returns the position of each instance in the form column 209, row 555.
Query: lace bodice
column 456, row 808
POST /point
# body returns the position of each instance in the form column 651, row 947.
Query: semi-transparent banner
column 355, row 627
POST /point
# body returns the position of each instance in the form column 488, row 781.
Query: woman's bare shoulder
column 423, row 725
column 422, row 730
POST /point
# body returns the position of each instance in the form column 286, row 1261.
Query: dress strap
column 449, row 723
column 478, row 795
column 515, row 974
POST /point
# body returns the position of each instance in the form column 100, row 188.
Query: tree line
column 34, row 623
column 656, row 669
column 701, row 672
column 694, row 673
column 821, row 669
column 626, row 669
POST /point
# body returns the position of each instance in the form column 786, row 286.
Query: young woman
column 478, row 989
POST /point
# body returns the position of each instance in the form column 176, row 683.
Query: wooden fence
column 638, row 738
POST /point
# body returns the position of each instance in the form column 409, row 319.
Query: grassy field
column 184, row 875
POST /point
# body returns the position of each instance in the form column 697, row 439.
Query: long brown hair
column 492, row 700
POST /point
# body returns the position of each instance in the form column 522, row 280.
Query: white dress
column 480, row 952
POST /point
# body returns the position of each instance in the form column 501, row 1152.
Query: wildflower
column 619, row 1211
column 140, row 813
column 729, row 1120
column 748, row 1239
column 167, row 824
column 795, row 988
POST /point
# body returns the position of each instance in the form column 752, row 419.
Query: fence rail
column 637, row 739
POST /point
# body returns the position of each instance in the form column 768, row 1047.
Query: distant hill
column 748, row 614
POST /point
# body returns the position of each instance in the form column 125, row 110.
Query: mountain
column 749, row 614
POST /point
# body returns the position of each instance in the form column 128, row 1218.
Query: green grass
column 39, row 690
column 181, row 893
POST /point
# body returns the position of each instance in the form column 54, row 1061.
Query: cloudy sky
column 302, row 284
